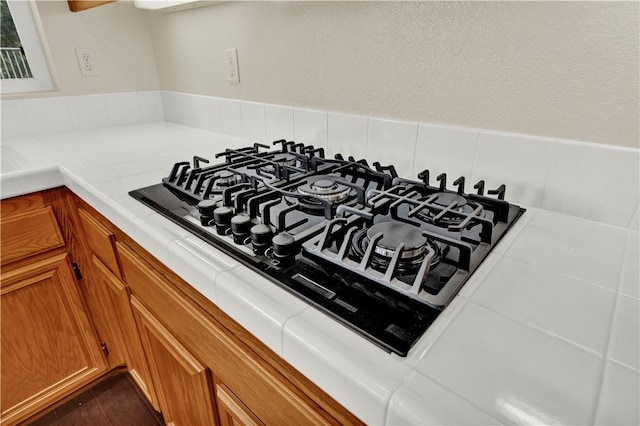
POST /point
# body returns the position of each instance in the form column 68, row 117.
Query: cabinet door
column 232, row 411
column 183, row 383
column 122, row 319
column 49, row 348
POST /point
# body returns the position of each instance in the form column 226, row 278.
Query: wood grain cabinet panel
column 122, row 318
column 101, row 241
column 21, row 204
column 183, row 382
column 232, row 411
column 30, row 233
column 48, row 344
column 272, row 398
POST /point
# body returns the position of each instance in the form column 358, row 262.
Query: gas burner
column 323, row 187
column 225, row 179
column 284, row 160
column 456, row 209
column 327, row 188
column 394, row 233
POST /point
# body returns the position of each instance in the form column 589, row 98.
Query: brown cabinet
column 29, row 233
column 184, row 385
column 232, row 411
column 122, row 318
column 257, row 383
column 49, row 347
column 101, row 241
column 192, row 361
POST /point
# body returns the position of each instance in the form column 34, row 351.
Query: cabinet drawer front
column 29, row 233
column 101, row 241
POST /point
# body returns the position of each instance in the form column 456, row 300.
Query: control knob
column 206, row 209
column 222, row 219
column 240, row 226
column 284, row 247
column 261, row 238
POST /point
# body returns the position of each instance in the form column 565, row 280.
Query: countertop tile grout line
column 540, row 329
column 506, row 255
column 454, row 392
column 552, row 159
column 475, row 154
column 414, row 172
column 396, row 389
column 284, row 325
column 607, row 350
column 634, row 215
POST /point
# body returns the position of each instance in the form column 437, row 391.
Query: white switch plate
column 231, row 59
column 87, row 62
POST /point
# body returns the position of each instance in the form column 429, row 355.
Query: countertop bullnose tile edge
column 356, row 373
column 199, row 264
column 25, row 181
column 422, row 401
column 257, row 304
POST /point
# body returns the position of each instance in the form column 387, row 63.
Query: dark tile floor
column 114, row 402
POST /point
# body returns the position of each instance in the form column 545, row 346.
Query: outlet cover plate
column 231, row 59
column 87, row 62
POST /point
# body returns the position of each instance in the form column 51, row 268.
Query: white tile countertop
column 546, row 331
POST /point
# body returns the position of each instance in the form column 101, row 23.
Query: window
column 23, row 64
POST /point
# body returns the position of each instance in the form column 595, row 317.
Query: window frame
column 24, row 17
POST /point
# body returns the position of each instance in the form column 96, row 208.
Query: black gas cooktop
column 379, row 253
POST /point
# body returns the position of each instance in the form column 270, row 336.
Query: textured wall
column 546, row 68
column 120, row 35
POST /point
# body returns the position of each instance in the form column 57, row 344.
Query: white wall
column 119, row 33
column 560, row 69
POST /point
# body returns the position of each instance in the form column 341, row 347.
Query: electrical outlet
column 231, row 57
column 87, row 62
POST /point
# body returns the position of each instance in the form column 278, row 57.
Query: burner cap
column 395, row 233
column 323, row 185
column 445, row 199
column 226, row 178
column 327, row 188
column 285, row 160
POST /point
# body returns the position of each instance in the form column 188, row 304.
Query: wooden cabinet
column 49, row 347
column 232, row 411
column 257, row 383
column 192, row 361
column 101, row 241
column 29, row 233
column 80, row 5
column 117, row 301
column 184, row 384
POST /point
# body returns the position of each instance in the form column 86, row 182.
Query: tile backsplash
column 47, row 116
column 593, row 181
